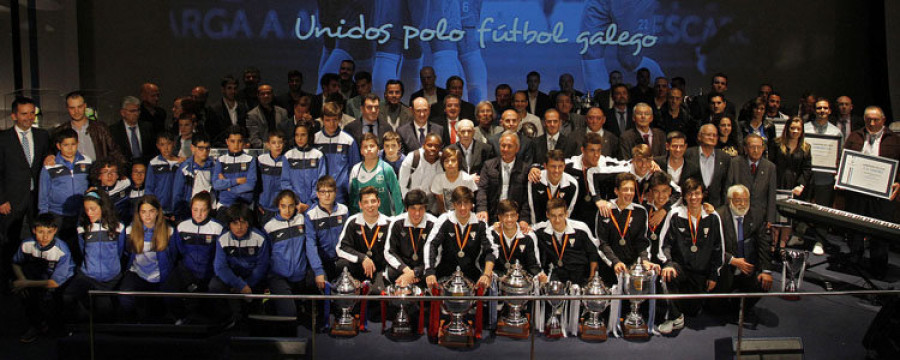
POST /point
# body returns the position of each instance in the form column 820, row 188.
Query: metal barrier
column 314, row 298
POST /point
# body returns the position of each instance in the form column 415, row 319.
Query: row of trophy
column 458, row 332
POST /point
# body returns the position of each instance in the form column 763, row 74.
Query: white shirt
column 707, row 166
column 30, row 151
column 675, row 173
column 873, row 148
column 232, row 112
column 552, row 141
column 443, row 186
column 422, row 176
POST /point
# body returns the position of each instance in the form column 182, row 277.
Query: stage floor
column 830, row 328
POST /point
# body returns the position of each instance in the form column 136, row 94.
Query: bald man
column 412, row 134
column 510, row 122
column 265, row 117
column 150, row 109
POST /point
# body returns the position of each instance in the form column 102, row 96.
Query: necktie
column 872, row 139
column 135, row 144
column 753, row 169
column 621, row 121
column 551, row 144
column 740, row 237
column 371, row 128
column 453, row 132
column 26, row 146
column 421, row 136
column 647, row 139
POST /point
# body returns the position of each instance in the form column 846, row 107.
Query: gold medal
column 653, row 236
column 622, row 242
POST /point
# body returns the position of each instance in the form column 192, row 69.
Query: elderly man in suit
column 757, row 174
column 595, row 120
column 22, row 150
column 713, row 164
column 370, row 121
column 503, row 177
column 642, row 133
column 265, row 117
column 747, row 255
column 135, row 138
column 412, row 134
column 472, row 153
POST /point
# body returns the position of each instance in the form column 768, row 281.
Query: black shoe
column 30, row 335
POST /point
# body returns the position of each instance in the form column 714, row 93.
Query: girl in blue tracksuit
column 101, row 269
column 270, row 169
column 149, row 241
column 161, row 172
column 196, row 243
column 105, row 176
column 302, row 168
column 242, row 258
column 292, row 253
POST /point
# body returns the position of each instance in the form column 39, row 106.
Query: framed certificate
column 825, row 150
column 779, row 127
column 866, row 174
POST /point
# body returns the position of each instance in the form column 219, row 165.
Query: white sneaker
column 667, row 327
column 818, row 250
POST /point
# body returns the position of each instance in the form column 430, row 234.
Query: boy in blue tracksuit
column 340, row 149
column 270, row 169
column 242, row 257
column 292, row 253
column 196, row 243
column 234, row 173
column 302, row 168
column 42, row 264
column 161, row 173
column 103, row 248
column 193, row 176
column 105, row 174
column 326, row 221
column 62, row 186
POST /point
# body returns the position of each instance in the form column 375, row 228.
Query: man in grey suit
column 758, row 175
column 370, row 121
column 713, row 164
column 265, row 117
column 22, row 151
column 413, row 133
column 642, row 133
column 553, row 139
column 392, row 110
column 747, row 259
column 472, row 153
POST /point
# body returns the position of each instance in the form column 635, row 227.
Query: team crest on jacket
column 340, row 148
column 340, row 219
column 83, row 167
column 300, row 227
column 251, row 251
column 209, row 239
column 243, row 166
column 312, row 163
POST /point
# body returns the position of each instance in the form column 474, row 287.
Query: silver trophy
column 637, row 282
column 401, row 326
column 457, row 332
column 794, row 265
column 592, row 327
column 346, row 324
column 553, row 329
column 515, row 282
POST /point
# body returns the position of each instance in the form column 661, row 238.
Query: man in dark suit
column 701, row 106
column 413, row 133
column 713, row 164
column 553, row 139
column 503, row 100
column 619, row 116
column 331, row 84
column 757, row 174
column 846, row 121
column 370, row 121
column 429, row 91
column 747, row 255
column 875, row 140
column 150, row 110
column 227, row 112
column 135, row 138
column 673, row 163
column 448, row 118
column 472, row 153
column 294, row 93
column 22, row 150
column 594, row 121
column 455, row 87
column 604, row 98
column 525, row 145
column 503, row 177
column 538, row 102
column 642, row 133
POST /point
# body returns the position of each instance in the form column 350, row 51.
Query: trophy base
column 513, row 331
column 632, row 332
column 347, row 330
column 402, row 334
column 445, row 338
column 553, row 333
column 590, row 333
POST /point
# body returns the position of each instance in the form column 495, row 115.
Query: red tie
column 453, row 131
column 753, row 169
column 647, row 139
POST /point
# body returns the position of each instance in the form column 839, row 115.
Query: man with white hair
column 472, row 154
column 747, row 255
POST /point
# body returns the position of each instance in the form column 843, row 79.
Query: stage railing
column 498, row 298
